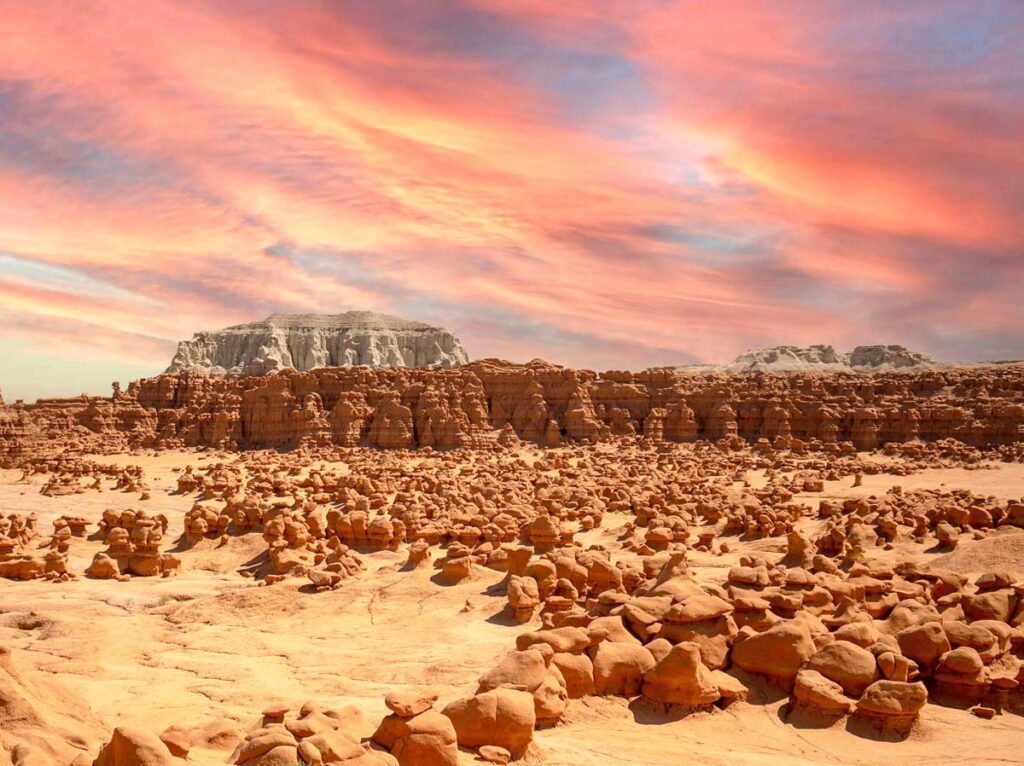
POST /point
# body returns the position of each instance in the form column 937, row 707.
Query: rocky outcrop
column 878, row 357
column 14, row 428
column 492, row 403
column 826, row 359
column 309, row 341
column 782, row 358
column 42, row 721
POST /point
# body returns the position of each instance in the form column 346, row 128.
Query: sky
column 610, row 185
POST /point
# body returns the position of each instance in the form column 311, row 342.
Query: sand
column 210, row 643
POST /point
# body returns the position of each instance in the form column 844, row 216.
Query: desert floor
column 209, row 643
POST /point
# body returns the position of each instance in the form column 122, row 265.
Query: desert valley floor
column 210, row 648
column 511, row 383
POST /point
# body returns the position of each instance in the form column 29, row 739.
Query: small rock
column 494, row 754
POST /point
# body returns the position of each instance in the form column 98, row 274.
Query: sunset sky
column 600, row 184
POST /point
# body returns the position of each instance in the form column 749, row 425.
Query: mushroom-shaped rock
column 131, row 747
column 523, row 670
column 680, row 678
column 266, row 746
column 578, row 672
column 567, row 639
column 419, row 554
column 924, row 643
column 494, row 754
column 503, row 717
column 332, row 746
column 275, row 713
column 815, row 691
column 778, row 653
column 849, row 665
column 892, row 704
column 455, row 569
column 523, row 597
column 408, row 704
column 961, row 672
column 425, row 739
column 178, row 740
column 619, row 668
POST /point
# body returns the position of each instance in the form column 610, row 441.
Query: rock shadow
column 761, row 691
column 806, row 717
column 499, row 588
column 258, row 566
column 506, row 619
column 878, row 730
column 181, row 545
column 650, row 713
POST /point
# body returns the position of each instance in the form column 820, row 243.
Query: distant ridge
column 822, row 358
column 308, row 341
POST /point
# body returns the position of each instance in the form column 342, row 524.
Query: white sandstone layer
column 307, row 341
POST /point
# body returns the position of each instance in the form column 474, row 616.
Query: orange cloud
column 695, row 178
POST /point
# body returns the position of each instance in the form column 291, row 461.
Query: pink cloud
column 780, row 176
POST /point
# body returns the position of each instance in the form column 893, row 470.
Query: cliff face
column 539, row 402
column 875, row 357
column 308, row 341
column 827, row 359
column 15, row 427
column 789, row 358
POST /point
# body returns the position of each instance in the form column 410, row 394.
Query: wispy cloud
column 647, row 181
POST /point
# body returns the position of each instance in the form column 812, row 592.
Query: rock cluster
column 22, row 559
column 314, row 735
column 867, row 640
column 133, row 547
column 842, row 633
column 837, row 605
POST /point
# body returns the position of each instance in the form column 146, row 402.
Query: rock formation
column 539, row 402
column 884, row 357
column 847, row 610
column 827, row 359
column 783, row 358
column 309, row 341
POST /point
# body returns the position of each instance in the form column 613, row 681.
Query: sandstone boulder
column 681, row 678
column 778, row 653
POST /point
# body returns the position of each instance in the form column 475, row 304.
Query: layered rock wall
column 14, row 430
column 309, row 341
column 826, row 359
column 541, row 403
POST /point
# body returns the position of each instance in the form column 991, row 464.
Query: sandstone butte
column 306, row 341
column 501, row 562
